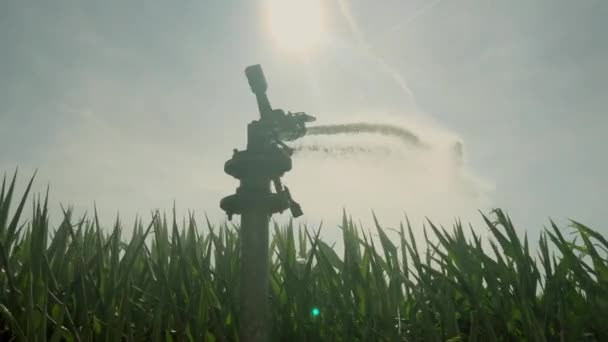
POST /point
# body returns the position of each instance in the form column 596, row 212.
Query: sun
column 295, row 26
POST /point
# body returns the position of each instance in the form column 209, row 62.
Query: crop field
column 170, row 281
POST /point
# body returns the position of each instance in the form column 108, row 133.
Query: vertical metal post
column 254, row 314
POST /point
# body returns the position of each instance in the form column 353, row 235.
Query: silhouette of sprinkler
column 266, row 159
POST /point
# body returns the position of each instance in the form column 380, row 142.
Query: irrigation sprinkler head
column 277, row 124
column 291, row 126
column 267, row 157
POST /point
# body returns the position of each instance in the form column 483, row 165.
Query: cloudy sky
column 136, row 104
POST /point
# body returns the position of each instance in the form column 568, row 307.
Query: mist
column 423, row 177
column 131, row 116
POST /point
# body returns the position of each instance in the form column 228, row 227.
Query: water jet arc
column 364, row 127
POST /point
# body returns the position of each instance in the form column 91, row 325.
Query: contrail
column 419, row 12
column 362, row 127
column 367, row 48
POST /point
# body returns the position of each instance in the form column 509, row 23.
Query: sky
column 135, row 105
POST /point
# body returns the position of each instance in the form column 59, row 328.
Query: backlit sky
column 135, row 104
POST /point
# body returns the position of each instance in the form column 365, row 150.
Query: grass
column 84, row 282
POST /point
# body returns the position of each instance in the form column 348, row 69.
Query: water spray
column 405, row 142
column 346, row 150
column 401, row 133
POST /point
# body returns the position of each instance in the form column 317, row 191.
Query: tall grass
column 84, row 282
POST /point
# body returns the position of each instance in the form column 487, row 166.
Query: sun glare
column 295, row 25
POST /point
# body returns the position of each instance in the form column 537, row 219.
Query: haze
column 138, row 104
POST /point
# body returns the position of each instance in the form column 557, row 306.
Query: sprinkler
column 265, row 160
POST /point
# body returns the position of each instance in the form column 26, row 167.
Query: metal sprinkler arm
column 258, row 85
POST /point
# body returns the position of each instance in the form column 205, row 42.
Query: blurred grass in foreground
column 84, row 282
